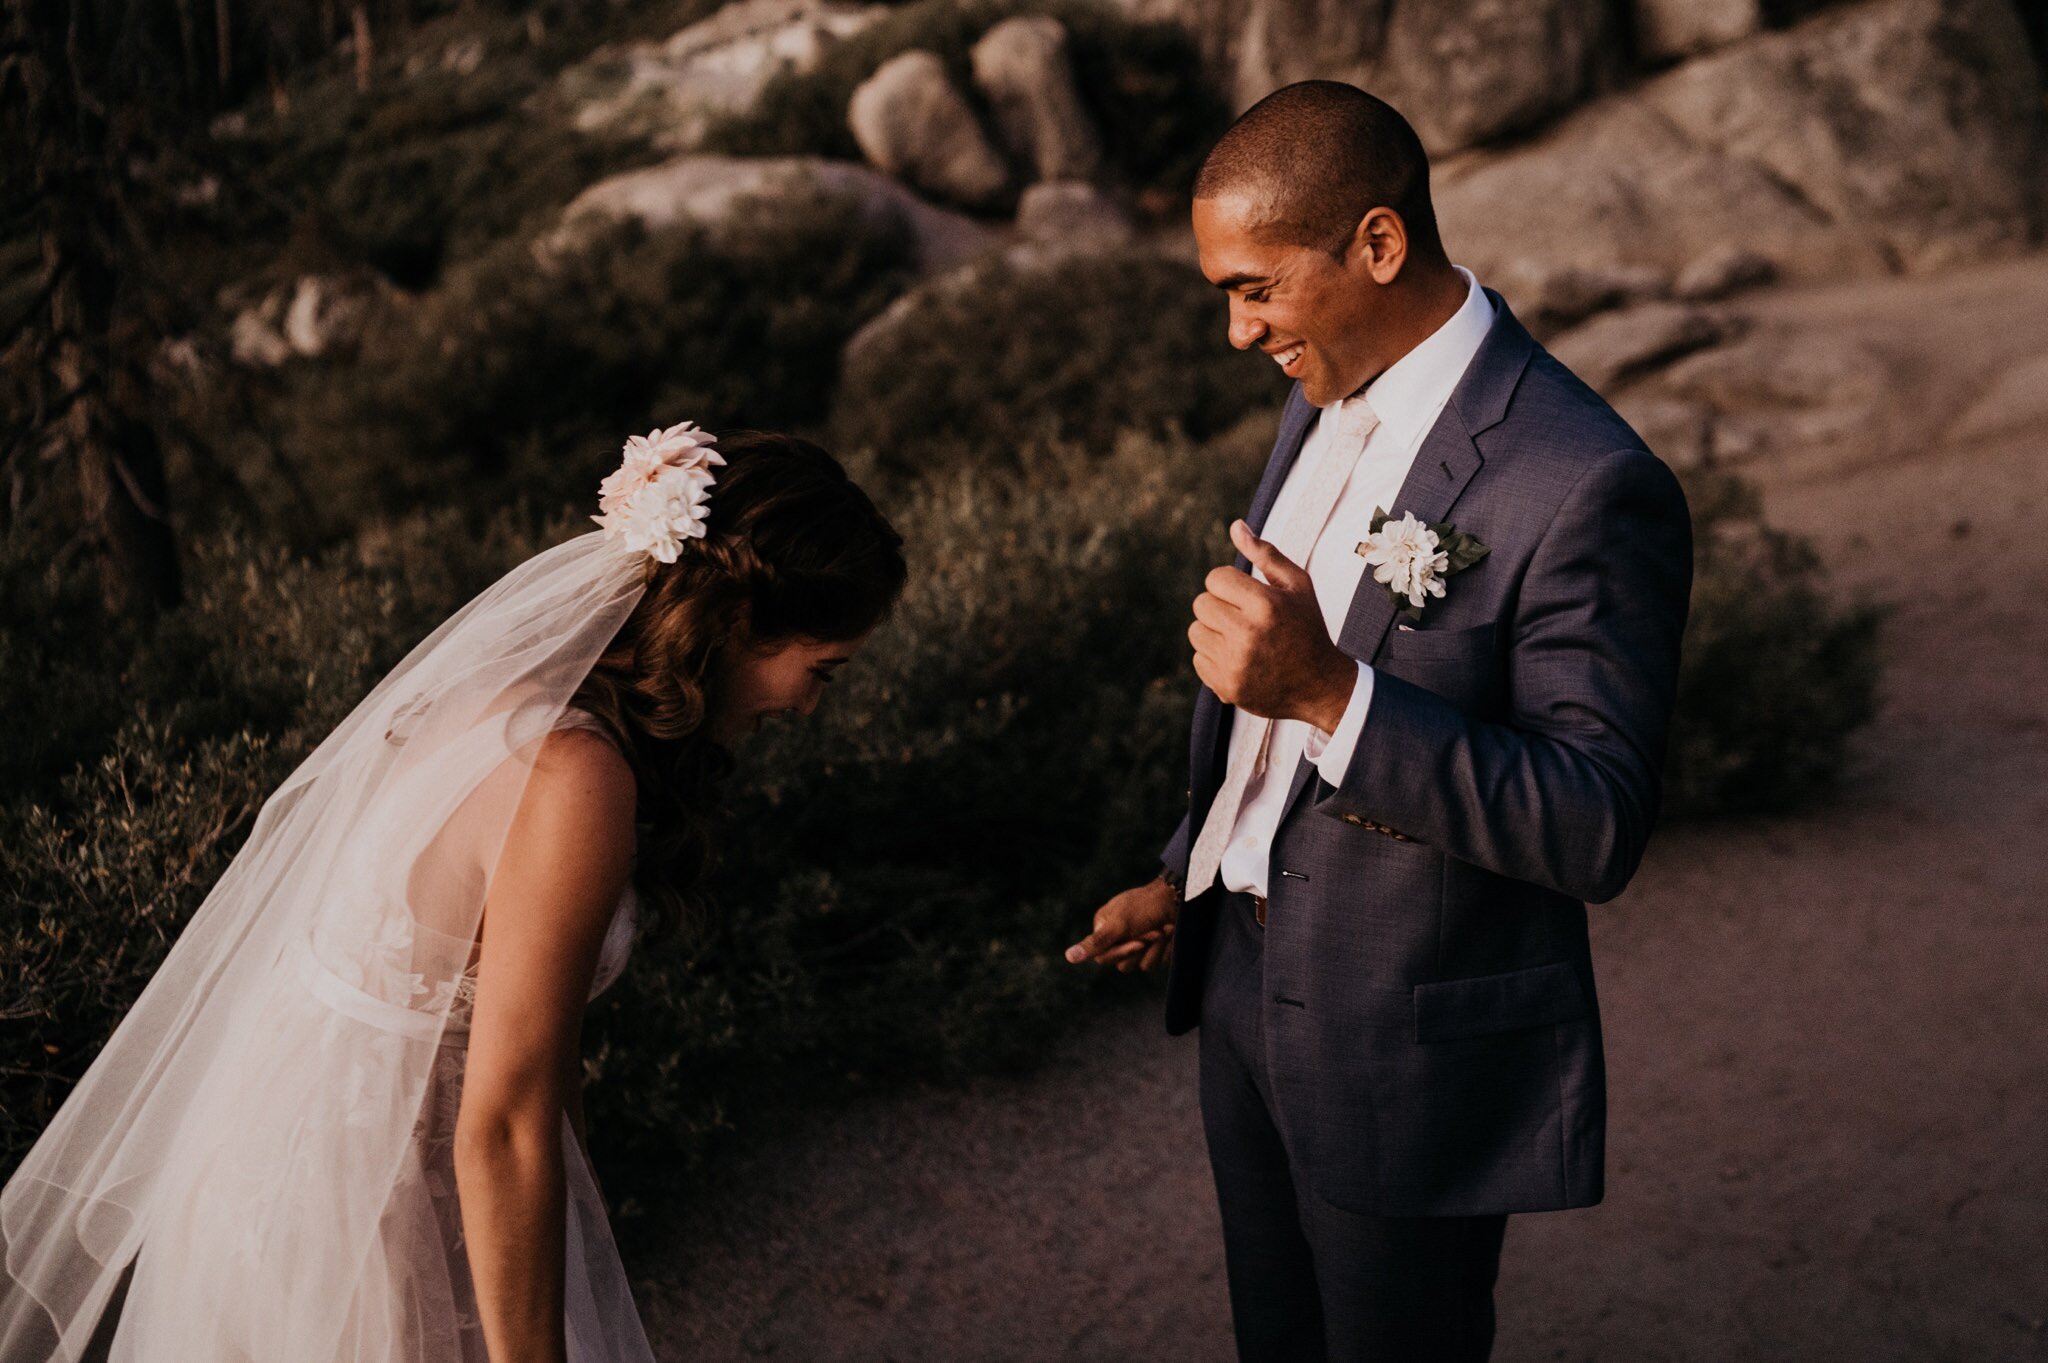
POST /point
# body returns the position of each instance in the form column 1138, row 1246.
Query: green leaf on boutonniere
column 1463, row 550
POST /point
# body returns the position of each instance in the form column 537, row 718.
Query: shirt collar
column 1413, row 390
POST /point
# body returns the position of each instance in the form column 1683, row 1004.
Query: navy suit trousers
column 1310, row 1282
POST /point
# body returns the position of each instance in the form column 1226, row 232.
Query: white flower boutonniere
column 1412, row 559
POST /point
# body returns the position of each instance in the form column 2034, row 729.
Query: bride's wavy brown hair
column 793, row 549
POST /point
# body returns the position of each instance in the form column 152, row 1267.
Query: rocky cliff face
column 1859, row 137
column 1889, row 136
column 1474, row 72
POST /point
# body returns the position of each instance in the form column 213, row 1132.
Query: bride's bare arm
column 558, row 881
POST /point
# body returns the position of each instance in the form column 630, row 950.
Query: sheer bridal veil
column 263, row 1099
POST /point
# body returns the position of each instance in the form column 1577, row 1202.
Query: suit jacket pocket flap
column 1486, row 1004
column 1469, row 646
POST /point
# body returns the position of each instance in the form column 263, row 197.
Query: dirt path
column 1827, row 1036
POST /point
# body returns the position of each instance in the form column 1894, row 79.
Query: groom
column 1374, row 908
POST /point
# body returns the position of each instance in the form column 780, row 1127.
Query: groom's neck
column 1419, row 303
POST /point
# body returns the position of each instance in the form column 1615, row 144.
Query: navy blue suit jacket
column 1433, row 1037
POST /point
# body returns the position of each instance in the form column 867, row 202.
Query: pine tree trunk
column 366, row 55
column 224, row 46
column 188, row 46
column 99, row 416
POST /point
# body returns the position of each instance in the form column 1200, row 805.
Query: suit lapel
column 1444, row 463
column 1443, row 466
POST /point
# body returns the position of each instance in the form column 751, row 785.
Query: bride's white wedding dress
column 242, row 1265
column 263, row 1151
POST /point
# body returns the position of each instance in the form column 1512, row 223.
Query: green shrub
column 902, row 872
column 176, row 738
column 517, row 378
column 1077, row 350
column 429, row 166
column 1143, row 82
column 1776, row 679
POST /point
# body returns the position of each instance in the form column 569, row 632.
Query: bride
column 343, row 1121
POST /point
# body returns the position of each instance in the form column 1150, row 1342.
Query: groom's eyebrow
column 1239, row 280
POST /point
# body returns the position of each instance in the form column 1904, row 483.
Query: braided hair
column 793, row 549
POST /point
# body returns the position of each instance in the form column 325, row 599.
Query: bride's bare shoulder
column 580, row 792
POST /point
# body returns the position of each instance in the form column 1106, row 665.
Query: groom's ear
column 1378, row 246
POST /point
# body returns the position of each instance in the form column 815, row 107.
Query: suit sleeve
column 1564, row 792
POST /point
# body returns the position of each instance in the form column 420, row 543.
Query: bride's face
column 753, row 683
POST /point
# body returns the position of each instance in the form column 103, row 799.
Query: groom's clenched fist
column 1263, row 646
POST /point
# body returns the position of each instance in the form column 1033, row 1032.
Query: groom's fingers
column 1108, row 935
column 1112, row 941
column 1279, row 569
column 1231, row 588
column 1214, row 612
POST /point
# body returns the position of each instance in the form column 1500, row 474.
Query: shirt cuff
column 1332, row 752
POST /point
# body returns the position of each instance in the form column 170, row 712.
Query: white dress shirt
column 1407, row 399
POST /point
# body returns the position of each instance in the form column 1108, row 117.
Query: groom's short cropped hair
column 1315, row 157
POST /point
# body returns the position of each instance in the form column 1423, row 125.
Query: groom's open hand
column 1263, row 646
column 1133, row 931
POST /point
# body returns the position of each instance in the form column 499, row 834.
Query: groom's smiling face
column 1311, row 309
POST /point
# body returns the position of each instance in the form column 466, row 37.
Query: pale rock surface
column 1670, row 29
column 324, row 314
column 711, row 189
column 1547, row 298
column 1022, row 68
column 1465, row 72
column 672, row 91
column 1721, row 271
column 912, row 123
column 254, row 340
column 2016, row 401
column 1916, row 123
column 1073, row 211
column 1778, row 388
column 1618, row 346
column 315, row 316
column 1676, row 431
column 1883, row 136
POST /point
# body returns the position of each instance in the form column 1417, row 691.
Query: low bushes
column 516, row 372
column 980, row 365
column 901, row 872
column 162, row 747
column 1777, row 678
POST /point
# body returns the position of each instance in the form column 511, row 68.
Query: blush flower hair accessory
column 660, row 495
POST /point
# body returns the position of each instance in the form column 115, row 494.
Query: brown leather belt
column 1259, row 908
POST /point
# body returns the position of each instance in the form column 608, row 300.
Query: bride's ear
column 739, row 632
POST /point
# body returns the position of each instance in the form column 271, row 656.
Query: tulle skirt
column 321, row 1224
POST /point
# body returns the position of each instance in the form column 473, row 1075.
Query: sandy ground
column 1827, row 1035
